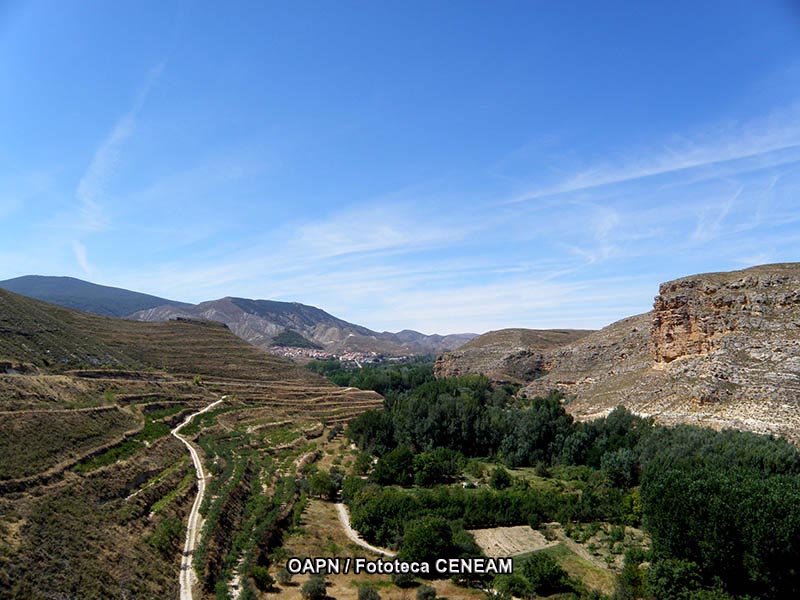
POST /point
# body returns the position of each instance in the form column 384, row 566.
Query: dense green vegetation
column 293, row 339
column 722, row 508
column 390, row 381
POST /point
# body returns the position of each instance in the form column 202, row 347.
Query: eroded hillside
column 515, row 355
column 719, row 349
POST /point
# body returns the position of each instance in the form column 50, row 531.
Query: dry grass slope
column 96, row 481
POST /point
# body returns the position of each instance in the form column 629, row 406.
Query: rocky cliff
column 720, row 349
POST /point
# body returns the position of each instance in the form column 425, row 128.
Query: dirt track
column 187, row 574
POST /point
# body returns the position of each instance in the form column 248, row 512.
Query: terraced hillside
column 94, row 492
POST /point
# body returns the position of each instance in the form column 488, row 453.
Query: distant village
column 357, row 359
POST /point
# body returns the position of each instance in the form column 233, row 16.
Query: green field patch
column 205, row 420
column 185, row 483
column 283, row 435
column 167, row 411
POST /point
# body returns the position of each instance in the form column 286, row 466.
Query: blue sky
column 441, row 166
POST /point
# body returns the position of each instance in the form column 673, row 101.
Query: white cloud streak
column 755, row 141
column 81, row 256
column 93, row 186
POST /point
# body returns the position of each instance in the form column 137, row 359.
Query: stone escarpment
column 718, row 349
column 696, row 315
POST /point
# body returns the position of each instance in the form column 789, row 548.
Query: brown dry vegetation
column 113, row 526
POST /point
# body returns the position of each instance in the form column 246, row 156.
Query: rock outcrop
column 719, row 349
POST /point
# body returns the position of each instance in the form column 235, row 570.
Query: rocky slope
column 719, row 349
column 514, row 355
column 260, row 321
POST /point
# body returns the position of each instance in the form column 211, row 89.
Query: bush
column 264, row 581
column 315, row 588
column 368, row 593
column 402, row 580
column 500, row 478
column 426, row 592
column 284, row 577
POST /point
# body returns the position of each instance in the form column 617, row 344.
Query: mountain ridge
column 84, row 295
column 254, row 320
column 260, row 321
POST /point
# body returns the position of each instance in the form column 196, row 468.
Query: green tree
column 500, row 479
column 362, row 464
column 544, row 574
column 438, row 466
column 427, row 539
column 322, row 486
column 395, row 467
column 514, row 585
column 671, row 579
column 621, row 467
column 264, row 581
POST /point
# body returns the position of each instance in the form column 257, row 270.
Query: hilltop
column 515, row 355
column 260, row 322
column 86, row 296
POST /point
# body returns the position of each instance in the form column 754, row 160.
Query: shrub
column 368, row 593
column 426, row 592
column 284, row 576
column 315, row 588
column 264, row 581
column 500, row 478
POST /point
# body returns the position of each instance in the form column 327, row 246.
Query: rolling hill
column 85, row 296
column 261, row 321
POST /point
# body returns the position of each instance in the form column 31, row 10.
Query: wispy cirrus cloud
column 94, row 184
column 723, row 150
column 82, row 258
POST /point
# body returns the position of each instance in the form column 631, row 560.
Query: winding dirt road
column 187, row 574
column 344, row 517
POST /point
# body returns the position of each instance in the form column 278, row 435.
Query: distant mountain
column 264, row 323
column 260, row 322
column 85, row 296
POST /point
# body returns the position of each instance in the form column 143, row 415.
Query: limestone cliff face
column 692, row 316
column 719, row 349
